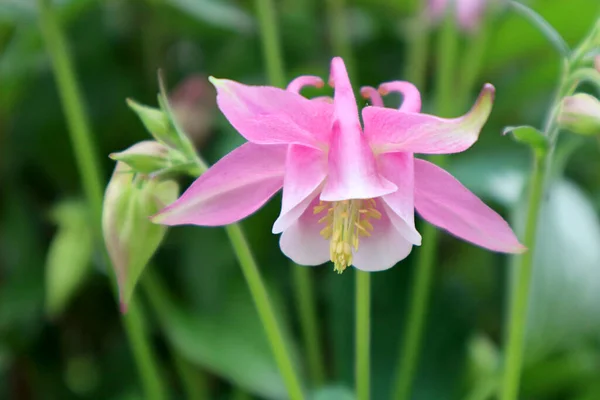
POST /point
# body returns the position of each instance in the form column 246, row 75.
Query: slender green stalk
column 339, row 34
column 265, row 310
column 88, row 165
column 520, row 292
column 270, row 39
column 305, row 298
column 418, row 49
column 363, row 334
column 194, row 381
column 302, row 276
column 421, row 283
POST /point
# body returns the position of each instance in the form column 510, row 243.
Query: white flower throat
column 345, row 222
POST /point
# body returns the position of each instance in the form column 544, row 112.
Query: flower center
column 345, row 221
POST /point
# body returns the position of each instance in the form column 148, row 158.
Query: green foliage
column 204, row 314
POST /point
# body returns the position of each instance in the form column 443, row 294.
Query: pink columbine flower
column 468, row 13
column 349, row 192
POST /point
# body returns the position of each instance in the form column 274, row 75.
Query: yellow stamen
column 345, row 222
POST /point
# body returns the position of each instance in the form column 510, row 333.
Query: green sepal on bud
column 580, row 114
column 157, row 123
column 130, row 199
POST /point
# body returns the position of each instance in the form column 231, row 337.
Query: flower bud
column 156, row 122
column 597, row 62
column 145, row 157
column 580, row 114
column 130, row 199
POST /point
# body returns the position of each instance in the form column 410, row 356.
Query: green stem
column 339, row 35
column 194, row 381
column 270, row 40
column 420, row 288
column 88, row 166
column 305, row 298
column 265, row 310
column 302, row 279
column 520, row 294
column 363, row 334
column 421, row 283
column 418, row 49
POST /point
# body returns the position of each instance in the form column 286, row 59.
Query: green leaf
column 69, row 257
column 229, row 342
column 565, row 291
column 544, row 27
column 530, row 136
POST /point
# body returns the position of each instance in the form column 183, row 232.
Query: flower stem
column 302, row 276
column 418, row 49
column 270, row 39
column 88, row 166
column 339, row 35
column 305, row 298
column 421, row 283
column 265, row 310
column 520, row 292
column 363, row 334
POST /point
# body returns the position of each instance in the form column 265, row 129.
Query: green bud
column 146, row 157
column 131, row 239
column 156, row 122
column 580, row 114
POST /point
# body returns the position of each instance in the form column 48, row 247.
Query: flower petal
column 352, row 169
column 445, row 202
column 391, row 130
column 269, row 115
column 305, row 170
column 370, row 93
column 302, row 242
column 411, row 98
column 235, row 187
column 297, row 84
column 384, row 248
column 398, row 168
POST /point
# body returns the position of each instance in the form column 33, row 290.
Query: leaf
column 565, row 291
column 69, row 256
column 229, row 341
column 530, row 136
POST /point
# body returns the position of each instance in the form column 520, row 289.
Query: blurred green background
column 60, row 330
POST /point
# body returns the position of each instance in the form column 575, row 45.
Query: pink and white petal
column 352, row 168
column 446, row 203
column 398, row 168
column 269, row 115
column 305, row 170
column 411, row 98
column 235, row 187
column 297, row 84
column 389, row 130
column 383, row 249
column 302, row 241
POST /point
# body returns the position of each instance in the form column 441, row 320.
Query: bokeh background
column 60, row 329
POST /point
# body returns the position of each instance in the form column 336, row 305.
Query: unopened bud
column 146, row 157
column 156, row 122
column 131, row 239
column 597, row 62
column 580, row 114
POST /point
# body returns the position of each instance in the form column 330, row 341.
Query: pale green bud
column 580, row 114
column 131, row 239
column 146, row 157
